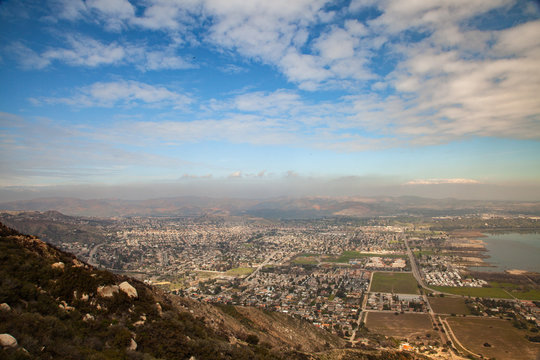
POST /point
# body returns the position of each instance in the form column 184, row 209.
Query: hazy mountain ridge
column 285, row 207
column 57, row 307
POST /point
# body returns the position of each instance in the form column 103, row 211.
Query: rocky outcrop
column 8, row 341
column 64, row 306
column 132, row 345
column 128, row 290
column 107, row 291
column 58, row 265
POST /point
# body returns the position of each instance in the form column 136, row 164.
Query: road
column 416, row 273
column 453, row 338
column 91, row 257
column 265, row 262
column 362, row 311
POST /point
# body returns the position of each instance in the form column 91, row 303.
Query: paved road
column 362, row 311
column 265, row 262
column 416, row 273
column 91, row 257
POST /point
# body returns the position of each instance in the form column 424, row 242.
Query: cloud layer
column 139, row 78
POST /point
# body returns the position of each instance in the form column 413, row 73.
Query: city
column 347, row 276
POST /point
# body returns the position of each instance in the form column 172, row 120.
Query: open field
column 526, row 295
column 346, row 256
column 306, row 260
column 208, row 274
column 520, row 291
column 449, row 305
column 240, row 271
column 506, row 341
column 490, row 292
column 474, row 292
column 399, row 283
column 401, row 326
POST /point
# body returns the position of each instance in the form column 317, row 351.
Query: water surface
column 512, row 251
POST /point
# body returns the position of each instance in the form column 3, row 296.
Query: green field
column 518, row 291
column 306, row 259
column 474, row 292
column 526, row 295
column 399, row 283
column 346, row 256
column 506, row 341
column 449, row 305
column 407, row 325
column 490, row 292
column 208, row 274
column 240, row 271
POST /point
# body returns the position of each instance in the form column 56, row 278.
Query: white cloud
column 88, row 52
column 232, row 69
column 68, row 9
column 274, row 103
column 442, row 181
column 125, row 93
column 171, row 15
column 520, row 39
column 236, row 174
column 451, row 80
column 115, row 8
column 28, row 58
column 337, row 44
column 114, row 12
column 84, row 51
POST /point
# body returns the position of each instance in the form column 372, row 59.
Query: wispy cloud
column 85, row 51
column 447, row 77
column 123, row 93
column 442, row 181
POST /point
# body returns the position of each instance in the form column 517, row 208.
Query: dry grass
column 401, row 325
column 449, row 305
column 506, row 341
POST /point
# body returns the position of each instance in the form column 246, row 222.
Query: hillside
column 56, row 306
column 275, row 208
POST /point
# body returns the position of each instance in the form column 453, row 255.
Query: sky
column 259, row 98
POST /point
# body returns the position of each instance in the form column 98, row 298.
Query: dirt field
column 449, row 305
column 506, row 341
column 398, row 283
column 400, row 326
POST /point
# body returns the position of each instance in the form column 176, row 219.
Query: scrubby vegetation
column 57, row 313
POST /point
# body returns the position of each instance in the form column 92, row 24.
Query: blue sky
column 282, row 97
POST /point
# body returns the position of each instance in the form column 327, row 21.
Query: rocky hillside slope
column 54, row 306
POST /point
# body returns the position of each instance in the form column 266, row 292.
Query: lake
column 512, row 251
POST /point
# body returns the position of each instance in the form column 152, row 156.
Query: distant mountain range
column 276, row 208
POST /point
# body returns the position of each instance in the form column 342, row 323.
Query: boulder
column 88, row 317
column 132, row 345
column 64, row 306
column 141, row 321
column 128, row 289
column 77, row 263
column 5, row 307
column 107, row 291
column 58, row 265
column 7, row 340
